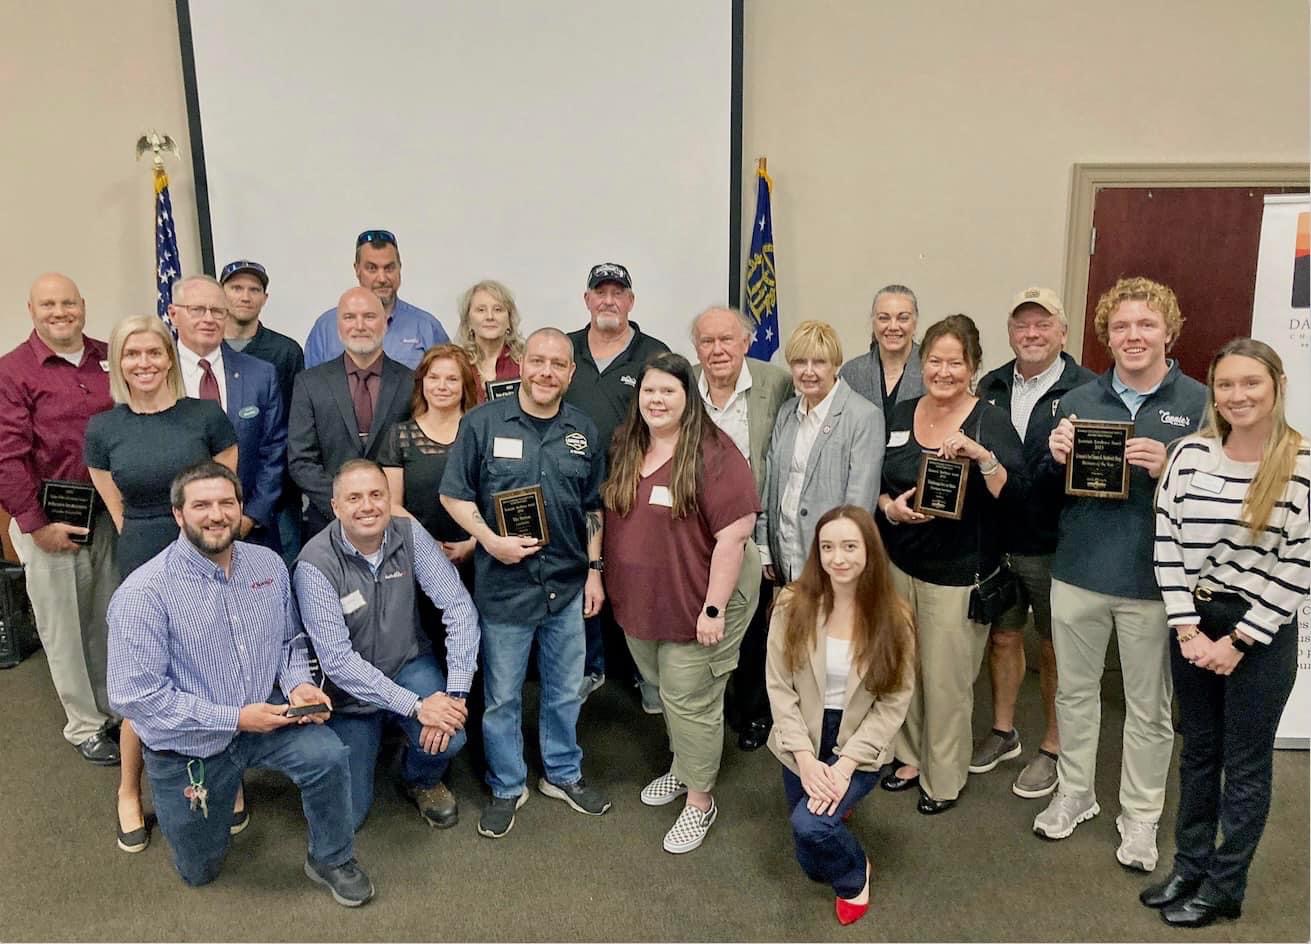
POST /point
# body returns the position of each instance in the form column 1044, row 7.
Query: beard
column 202, row 541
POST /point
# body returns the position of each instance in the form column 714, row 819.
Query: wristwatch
column 1239, row 643
column 414, row 712
column 597, row 565
column 712, row 611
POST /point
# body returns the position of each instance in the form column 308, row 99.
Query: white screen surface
column 505, row 139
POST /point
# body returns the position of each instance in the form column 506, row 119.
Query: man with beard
column 409, row 330
column 342, row 409
column 524, row 588
column 199, row 636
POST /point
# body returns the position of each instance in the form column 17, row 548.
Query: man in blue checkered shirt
column 198, row 637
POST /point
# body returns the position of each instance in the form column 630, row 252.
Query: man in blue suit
column 247, row 389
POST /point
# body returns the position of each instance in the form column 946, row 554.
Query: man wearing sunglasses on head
column 410, row 330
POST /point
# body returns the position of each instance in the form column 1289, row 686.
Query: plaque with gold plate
column 940, row 490
column 500, row 389
column 521, row 513
column 1097, row 466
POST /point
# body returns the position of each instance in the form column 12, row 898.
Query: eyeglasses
column 375, row 236
column 200, row 311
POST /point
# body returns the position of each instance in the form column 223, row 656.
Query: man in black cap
column 247, row 286
column 608, row 353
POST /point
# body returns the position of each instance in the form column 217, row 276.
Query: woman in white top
column 1233, row 560
column 839, row 670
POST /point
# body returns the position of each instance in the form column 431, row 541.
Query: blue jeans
column 826, row 849
column 311, row 755
column 362, row 733
column 560, row 652
column 287, row 524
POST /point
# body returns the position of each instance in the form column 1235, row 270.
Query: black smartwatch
column 1239, row 643
column 712, row 611
column 597, row 565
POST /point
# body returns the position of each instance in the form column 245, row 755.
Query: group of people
column 291, row 553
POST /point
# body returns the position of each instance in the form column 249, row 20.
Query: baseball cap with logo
column 1042, row 297
column 608, row 272
column 245, row 265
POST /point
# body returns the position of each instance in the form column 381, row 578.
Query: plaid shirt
column 189, row 646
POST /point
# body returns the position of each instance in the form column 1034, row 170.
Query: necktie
column 363, row 403
column 209, row 388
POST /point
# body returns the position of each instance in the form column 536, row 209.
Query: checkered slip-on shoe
column 690, row 829
column 663, row 789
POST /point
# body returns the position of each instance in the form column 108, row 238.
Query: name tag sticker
column 248, row 412
column 899, row 438
column 505, row 448
column 660, row 496
column 351, row 602
column 1206, row 482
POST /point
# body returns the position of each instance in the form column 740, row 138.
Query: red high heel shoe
column 848, row 911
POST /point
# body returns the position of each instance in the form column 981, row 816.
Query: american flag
column 167, row 264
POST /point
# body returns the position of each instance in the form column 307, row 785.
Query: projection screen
column 507, row 139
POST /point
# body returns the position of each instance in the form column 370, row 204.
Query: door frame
column 1087, row 179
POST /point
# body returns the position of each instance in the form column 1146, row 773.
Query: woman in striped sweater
column 1233, row 560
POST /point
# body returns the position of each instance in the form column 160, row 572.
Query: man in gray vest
column 356, row 582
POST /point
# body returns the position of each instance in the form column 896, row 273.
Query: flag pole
column 168, row 265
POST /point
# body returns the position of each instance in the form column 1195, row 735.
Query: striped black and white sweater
column 1202, row 541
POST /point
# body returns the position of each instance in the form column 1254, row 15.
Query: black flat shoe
column 1166, row 893
column 137, row 839
column 753, row 736
column 931, row 807
column 1199, row 911
column 894, row 784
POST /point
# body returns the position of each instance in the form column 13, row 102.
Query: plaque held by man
column 521, row 512
column 1097, row 466
column 70, row 503
column 500, row 389
column 940, row 489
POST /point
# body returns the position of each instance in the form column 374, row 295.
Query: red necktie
column 209, row 388
column 363, row 403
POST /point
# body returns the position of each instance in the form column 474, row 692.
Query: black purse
column 1000, row 590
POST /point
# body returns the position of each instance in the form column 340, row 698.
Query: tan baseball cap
column 1036, row 295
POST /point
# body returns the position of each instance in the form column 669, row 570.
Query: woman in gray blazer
column 827, row 450
column 890, row 373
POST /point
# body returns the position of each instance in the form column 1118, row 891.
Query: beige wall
column 929, row 143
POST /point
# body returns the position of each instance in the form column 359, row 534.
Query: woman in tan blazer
column 840, row 671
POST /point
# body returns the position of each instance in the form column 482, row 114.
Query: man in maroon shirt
column 50, row 385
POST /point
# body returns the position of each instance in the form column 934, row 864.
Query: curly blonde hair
column 1160, row 298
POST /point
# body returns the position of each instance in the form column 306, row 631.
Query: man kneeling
column 198, row 636
column 356, row 584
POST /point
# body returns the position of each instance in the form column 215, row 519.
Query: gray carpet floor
column 976, row 873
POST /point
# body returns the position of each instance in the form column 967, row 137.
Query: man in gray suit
column 343, row 408
column 743, row 397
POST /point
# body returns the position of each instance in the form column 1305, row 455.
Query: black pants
column 745, row 699
column 1228, row 725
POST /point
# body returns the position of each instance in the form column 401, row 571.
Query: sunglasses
column 375, row 236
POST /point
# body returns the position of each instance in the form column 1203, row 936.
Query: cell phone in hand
column 318, row 708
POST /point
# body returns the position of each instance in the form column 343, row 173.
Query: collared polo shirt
column 1132, row 399
column 410, row 332
column 280, row 351
column 500, row 448
column 604, row 393
column 45, row 404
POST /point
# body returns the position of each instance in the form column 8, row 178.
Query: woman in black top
column 134, row 452
column 937, row 560
column 414, row 456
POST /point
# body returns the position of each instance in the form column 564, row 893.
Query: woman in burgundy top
column 489, row 332
column 680, row 505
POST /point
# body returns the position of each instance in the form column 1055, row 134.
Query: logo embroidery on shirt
column 1056, row 405
column 267, row 581
column 393, row 575
column 577, row 443
column 631, row 381
column 1169, row 419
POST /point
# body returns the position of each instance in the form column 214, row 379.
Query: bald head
column 361, row 324
column 58, row 312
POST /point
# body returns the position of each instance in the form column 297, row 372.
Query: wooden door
column 1200, row 241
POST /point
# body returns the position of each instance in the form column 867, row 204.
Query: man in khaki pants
column 1102, row 576
column 50, row 385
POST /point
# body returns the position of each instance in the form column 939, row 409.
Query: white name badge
column 660, row 496
column 505, row 448
column 104, row 365
column 1206, row 482
column 351, row 602
column 899, row 438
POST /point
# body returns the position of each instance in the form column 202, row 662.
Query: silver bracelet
column 991, row 468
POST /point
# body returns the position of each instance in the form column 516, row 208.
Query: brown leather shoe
column 436, row 804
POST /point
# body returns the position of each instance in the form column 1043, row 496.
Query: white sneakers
column 1137, row 837
column 1137, row 843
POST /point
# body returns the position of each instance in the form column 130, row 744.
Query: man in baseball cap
column 1029, row 387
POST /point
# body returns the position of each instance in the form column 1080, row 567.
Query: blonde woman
column 489, row 331
column 133, row 452
column 1233, row 560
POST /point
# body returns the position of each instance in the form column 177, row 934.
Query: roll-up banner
column 1281, row 317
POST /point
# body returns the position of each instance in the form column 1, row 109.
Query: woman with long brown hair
column 680, row 505
column 1233, row 561
column 489, row 333
column 840, row 671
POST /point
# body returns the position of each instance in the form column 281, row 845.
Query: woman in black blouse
column 937, row 560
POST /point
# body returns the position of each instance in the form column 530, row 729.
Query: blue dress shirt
column 410, row 332
column 190, row 646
